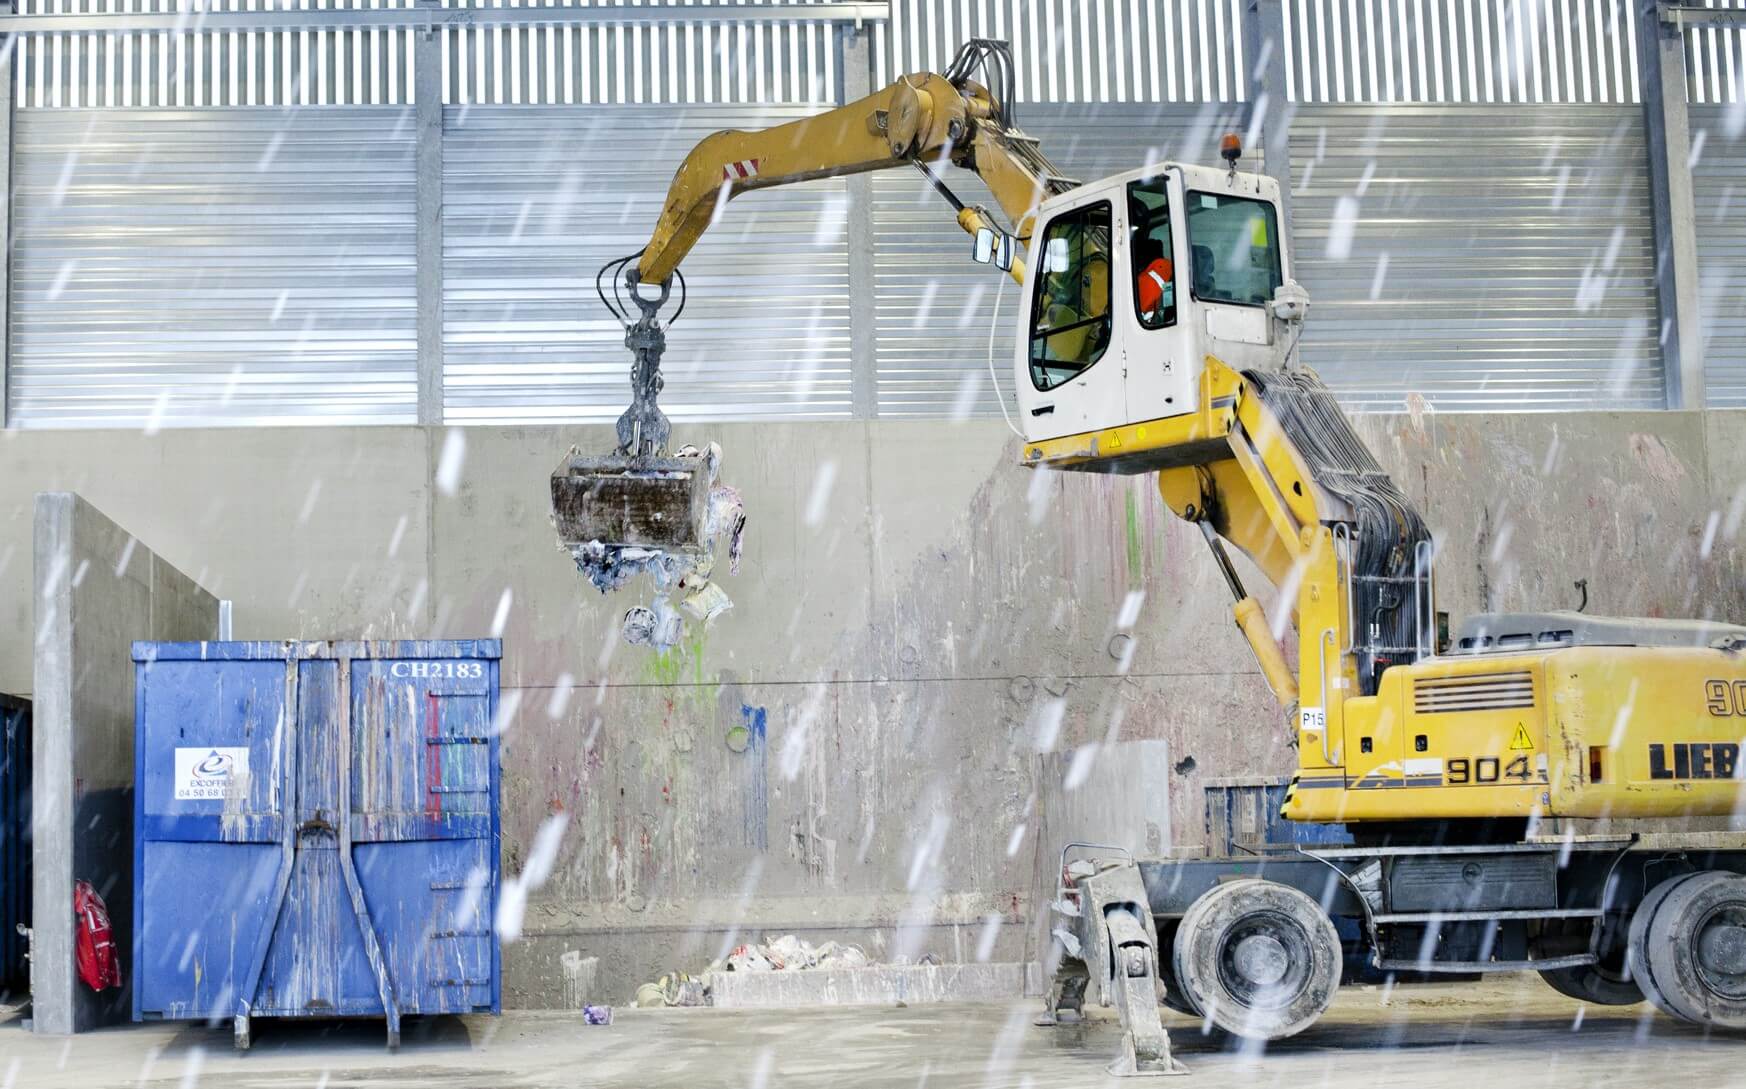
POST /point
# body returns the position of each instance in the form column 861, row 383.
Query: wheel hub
column 1264, row 962
column 1261, row 958
column 1721, row 948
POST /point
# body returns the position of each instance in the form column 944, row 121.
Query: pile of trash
column 784, row 954
column 789, row 953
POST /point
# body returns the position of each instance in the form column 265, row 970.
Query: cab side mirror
column 992, row 246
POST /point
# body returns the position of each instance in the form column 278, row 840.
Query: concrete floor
column 1505, row 1033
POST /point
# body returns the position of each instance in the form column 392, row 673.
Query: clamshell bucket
column 647, row 502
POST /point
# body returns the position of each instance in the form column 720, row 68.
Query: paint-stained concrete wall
column 849, row 751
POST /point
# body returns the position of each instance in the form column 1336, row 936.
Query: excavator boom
column 926, row 121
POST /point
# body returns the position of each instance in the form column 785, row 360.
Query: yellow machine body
column 1575, row 731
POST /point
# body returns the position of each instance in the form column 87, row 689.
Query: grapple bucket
column 645, row 502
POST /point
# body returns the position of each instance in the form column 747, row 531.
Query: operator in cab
column 1156, row 291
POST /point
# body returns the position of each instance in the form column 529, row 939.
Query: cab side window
column 1070, row 315
column 1153, row 253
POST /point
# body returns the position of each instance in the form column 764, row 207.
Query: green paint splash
column 669, row 666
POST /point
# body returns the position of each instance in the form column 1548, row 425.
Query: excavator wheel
column 1594, row 984
column 1607, row 983
column 1635, row 960
column 1171, row 996
column 1688, row 948
column 1258, row 959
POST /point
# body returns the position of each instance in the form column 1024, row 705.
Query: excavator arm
column 1269, row 464
column 640, row 498
column 924, row 120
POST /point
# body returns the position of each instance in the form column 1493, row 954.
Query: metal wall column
column 1662, row 78
column 7, row 46
column 855, row 69
column 1268, row 108
column 427, row 97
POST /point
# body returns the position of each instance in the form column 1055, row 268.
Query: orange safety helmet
column 1149, row 289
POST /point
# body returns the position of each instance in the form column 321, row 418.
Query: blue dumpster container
column 315, row 830
column 15, row 765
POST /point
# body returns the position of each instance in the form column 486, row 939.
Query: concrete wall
column 97, row 589
column 916, row 619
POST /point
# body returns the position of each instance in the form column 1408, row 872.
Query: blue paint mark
column 757, row 794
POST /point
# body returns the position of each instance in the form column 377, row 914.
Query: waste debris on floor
column 791, row 954
column 787, row 953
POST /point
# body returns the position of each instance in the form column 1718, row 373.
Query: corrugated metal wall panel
column 1483, row 258
column 226, row 267
column 537, row 198
column 195, row 67
column 1461, row 50
column 1080, row 50
column 935, row 307
column 1719, row 189
column 1715, row 60
column 784, row 62
column 681, row 62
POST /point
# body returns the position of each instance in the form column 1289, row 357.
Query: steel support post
column 1661, row 76
column 1266, row 109
column 7, row 47
column 855, row 68
column 427, row 98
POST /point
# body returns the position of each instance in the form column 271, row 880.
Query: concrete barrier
column 97, row 590
column 875, row 985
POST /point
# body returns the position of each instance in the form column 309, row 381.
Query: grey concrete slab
column 1508, row 1032
column 874, row 985
column 97, row 589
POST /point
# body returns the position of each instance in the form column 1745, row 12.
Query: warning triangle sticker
column 1521, row 740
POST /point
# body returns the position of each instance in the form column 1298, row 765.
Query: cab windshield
column 1235, row 248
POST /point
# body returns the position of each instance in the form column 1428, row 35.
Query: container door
column 317, row 965
column 210, row 745
column 424, row 825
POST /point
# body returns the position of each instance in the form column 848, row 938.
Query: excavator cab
column 1134, row 280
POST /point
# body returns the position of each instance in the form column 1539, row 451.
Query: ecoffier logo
column 207, row 773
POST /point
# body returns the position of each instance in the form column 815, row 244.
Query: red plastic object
column 95, row 948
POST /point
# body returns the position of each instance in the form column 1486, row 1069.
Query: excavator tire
column 1690, row 952
column 1607, row 983
column 1172, row 996
column 1636, row 958
column 1258, row 959
column 1594, row 984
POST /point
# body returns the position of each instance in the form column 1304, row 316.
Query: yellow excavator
column 1157, row 335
